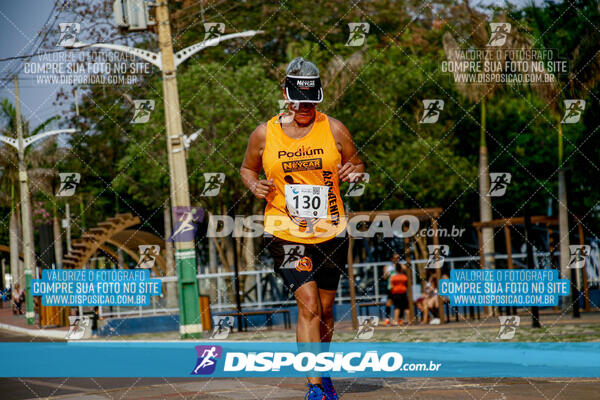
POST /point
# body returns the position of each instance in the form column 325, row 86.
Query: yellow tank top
column 310, row 160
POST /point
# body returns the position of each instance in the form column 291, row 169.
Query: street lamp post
column 28, row 247
column 185, row 255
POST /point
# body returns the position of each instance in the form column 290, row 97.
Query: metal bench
column 367, row 306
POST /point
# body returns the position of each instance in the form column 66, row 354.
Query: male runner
column 304, row 158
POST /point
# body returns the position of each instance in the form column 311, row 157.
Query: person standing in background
column 389, row 271
column 18, row 298
column 398, row 283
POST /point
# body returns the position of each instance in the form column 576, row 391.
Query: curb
column 49, row 333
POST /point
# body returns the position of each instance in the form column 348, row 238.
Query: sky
column 20, row 22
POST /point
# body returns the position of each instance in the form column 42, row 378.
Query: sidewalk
column 18, row 324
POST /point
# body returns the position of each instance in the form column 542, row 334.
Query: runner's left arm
column 350, row 160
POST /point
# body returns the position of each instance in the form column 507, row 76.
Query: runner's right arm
column 252, row 164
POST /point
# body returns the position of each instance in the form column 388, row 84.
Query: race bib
column 307, row 201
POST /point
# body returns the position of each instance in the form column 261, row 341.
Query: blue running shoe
column 314, row 393
column 329, row 389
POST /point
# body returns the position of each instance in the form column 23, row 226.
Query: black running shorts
column 400, row 301
column 299, row 263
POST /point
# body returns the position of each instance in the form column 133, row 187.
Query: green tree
column 576, row 36
column 9, row 177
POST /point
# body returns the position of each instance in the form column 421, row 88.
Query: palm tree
column 43, row 179
column 7, row 198
column 339, row 75
column 9, row 179
column 479, row 93
column 517, row 39
column 581, row 41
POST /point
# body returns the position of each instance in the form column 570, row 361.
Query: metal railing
column 367, row 277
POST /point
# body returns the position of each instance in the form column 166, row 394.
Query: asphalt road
column 293, row 388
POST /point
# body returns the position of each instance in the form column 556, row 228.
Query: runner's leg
column 330, row 257
column 327, row 298
column 309, row 318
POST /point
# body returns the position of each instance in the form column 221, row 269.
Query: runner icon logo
column 80, row 328
column 148, row 254
column 286, row 116
column 185, row 223
column 578, row 256
column 222, row 327
column 499, row 182
column 213, row 30
column 366, row 327
column 499, row 33
column 142, row 110
column 437, row 255
column 207, row 359
column 292, row 255
column 212, row 183
column 431, row 111
column 508, row 326
column 573, row 110
column 68, row 183
column 358, row 182
column 358, row 33
column 68, row 34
